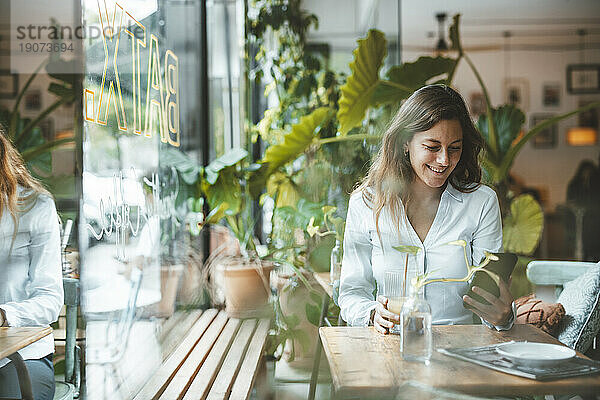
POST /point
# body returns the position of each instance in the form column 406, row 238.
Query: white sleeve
column 357, row 283
column 45, row 272
column 488, row 235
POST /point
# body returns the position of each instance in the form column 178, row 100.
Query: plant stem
column 13, row 118
column 493, row 138
column 33, row 152
column 514, row 150
column 396, row 85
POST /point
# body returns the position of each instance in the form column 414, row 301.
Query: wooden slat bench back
column 218, row 358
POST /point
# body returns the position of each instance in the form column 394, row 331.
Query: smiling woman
column 423, row 189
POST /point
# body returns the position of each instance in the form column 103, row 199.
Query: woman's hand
column 498, row 311
column 384, row 319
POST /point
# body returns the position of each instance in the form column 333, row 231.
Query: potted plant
column 240, row 266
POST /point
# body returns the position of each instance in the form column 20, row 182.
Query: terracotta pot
column 246, row 286
column 169, row 283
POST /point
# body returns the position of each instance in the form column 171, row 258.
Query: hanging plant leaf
column 523, row 227
column 355, row 94
column 228, row 159
column 187, row 167
column 512, row 153
column 301, row 136
column 283, row 190
column 313, row 313
column 508, row 121
column 297, row 141
column 62, row 91
column 319, row 257
column 226, row 189
column 403, row 80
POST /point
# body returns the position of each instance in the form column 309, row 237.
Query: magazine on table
column 489, row 357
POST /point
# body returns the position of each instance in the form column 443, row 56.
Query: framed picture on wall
column 9, row 84
column 547, row 138
column 516, row 92
column 583, row 78
column 33, row 100
column 476, row 104
column 47, row 127
column 551, row 95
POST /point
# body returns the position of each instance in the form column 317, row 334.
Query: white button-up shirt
column 474, row 217
column 31, row 292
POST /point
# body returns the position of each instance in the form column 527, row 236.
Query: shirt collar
column 455, row 193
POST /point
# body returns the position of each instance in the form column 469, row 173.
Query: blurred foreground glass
column 415, row 322
column 392, row 289
column 335, row 270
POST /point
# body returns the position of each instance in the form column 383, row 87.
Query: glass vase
column 415, row 321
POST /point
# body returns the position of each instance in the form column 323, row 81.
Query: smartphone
column 503, row 268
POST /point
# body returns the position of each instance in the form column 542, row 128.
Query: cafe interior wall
column 547, row 33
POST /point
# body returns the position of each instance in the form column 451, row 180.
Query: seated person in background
column 423, row 189
column 584, row 192
column 31, row 292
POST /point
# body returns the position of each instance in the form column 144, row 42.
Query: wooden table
column 323, row 279
column 14, row 339
column 366, row 364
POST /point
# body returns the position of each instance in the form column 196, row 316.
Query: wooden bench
column 218, row 358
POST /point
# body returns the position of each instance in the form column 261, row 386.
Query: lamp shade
column 582, row 136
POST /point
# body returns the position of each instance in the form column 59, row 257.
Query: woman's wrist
column 2, row 318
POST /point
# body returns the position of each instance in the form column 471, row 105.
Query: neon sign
column 161, row 108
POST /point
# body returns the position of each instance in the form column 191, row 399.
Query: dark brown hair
column 14, row 173
column 391, row 170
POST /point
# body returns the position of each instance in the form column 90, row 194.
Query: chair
column 576, row 286
column 69, row 389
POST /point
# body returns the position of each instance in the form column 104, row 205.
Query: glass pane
column 141, row 96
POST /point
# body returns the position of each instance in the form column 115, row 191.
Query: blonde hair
column 14, row 173
column 391, row 170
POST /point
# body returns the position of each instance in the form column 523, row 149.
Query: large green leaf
column 508, row 121
column 355, row 94
column 313, row 313
column 228, row 159
column 221, row 183
column 523, row 227
column 320, row 256
column 283, row 190
column 403, row 80
column 297, row 141
column 226, row 190
column 301, row 136
column 300, row 215
column 187, row 167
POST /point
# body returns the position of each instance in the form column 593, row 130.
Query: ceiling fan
column 441, row 45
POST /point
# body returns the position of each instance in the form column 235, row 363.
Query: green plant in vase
column 415, row 317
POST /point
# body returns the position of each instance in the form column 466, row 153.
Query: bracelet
column 3, row 321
